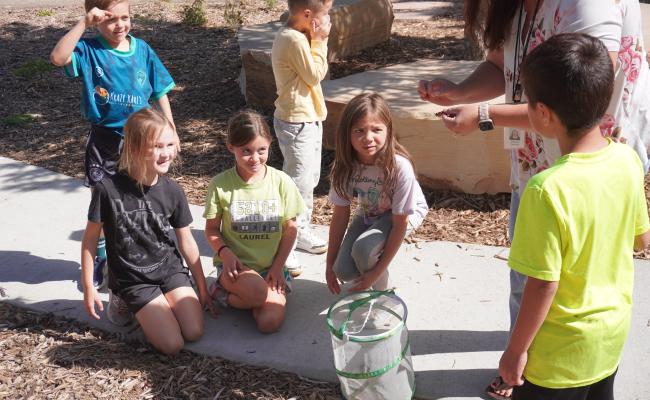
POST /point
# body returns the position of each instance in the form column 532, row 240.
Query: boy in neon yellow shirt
column 578, row 223
column 299, row 59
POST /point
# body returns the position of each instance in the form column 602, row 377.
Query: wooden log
column 476, row 163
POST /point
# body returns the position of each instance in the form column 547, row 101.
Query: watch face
column 486, row 125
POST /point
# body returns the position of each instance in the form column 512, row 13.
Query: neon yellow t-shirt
column 252, row 215
column 576, row 224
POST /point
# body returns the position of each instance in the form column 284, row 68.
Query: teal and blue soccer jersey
column 117, row 83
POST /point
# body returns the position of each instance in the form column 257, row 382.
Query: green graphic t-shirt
column 252, row 215
column 576, row 225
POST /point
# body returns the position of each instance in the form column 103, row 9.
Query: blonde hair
column 140, row 134
column 101, row 4
column 345, row 161
column 245, row 126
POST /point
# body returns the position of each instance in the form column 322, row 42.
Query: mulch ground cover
column 48, row 357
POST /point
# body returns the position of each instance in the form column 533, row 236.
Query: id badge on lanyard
column 515, row 138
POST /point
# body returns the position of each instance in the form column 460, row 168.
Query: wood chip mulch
column 48, row 357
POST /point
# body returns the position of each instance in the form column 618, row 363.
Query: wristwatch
column 485, row 123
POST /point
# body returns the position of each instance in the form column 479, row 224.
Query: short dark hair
column 299, row 5
column 573, row 75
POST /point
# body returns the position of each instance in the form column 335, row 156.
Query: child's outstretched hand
column 206, row 302
column 96, row 16
column 275, row 280
column 91, row 298
column 332, row 281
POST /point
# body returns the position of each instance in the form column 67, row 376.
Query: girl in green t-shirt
column 250, row 213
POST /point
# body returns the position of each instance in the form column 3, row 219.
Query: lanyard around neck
column 516, row 86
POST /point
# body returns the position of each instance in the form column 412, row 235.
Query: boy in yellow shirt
column 578, row 223
column 299, row 59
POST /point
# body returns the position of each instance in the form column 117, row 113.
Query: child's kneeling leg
column 187, row 309
column 368, row 248
column 160, row 326
column 270, row 316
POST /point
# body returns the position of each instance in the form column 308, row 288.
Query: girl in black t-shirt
column 138, row 207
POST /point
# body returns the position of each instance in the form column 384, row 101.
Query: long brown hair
column 140, row 133
column 490, row 20
column 345, row 161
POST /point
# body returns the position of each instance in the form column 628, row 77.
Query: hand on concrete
column 275, row 280
column 461, row 120
column 91, row 298
column 332, row 281
column 439, row 91
column 320, row 28
column 96, row 16
column 206, row 302
column 511, row 367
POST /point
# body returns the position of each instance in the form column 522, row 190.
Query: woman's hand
column 461, row 120
column 332, row 281
column 275, row 280
column 91, row 298
column 439, row 91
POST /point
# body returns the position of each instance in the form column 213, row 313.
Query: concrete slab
column 425, row 10
column 456, row 294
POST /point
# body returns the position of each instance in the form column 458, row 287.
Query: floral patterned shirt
column 618, row 25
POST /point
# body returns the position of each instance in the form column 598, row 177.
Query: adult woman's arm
column 485, row 83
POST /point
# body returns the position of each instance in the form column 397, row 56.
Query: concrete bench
column 476, row 163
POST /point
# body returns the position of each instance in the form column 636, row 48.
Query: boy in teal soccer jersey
column 120, row 75
column 578, row 224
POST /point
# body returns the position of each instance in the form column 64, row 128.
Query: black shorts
column 139, row 295
column 601, row 390
column 103, row 150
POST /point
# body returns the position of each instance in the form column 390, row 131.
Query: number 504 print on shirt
column 255, row 219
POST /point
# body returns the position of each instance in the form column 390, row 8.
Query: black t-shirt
column 137, row 224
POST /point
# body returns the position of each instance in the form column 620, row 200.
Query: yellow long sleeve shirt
column 298, row 68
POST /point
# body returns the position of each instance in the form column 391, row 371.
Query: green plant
column 270, row 3
column 44, row 13
column 32, row 68
column 195, row 15
column 20, row 119
column 232, row 13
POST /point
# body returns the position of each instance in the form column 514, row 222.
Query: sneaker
column 118, row 312
column 100, row 271
column 293, row 265
column 310, row 243
column 218, row 293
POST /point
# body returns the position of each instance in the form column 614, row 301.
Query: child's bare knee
column 170, row 345
column 269, row 324
column 193, row 333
